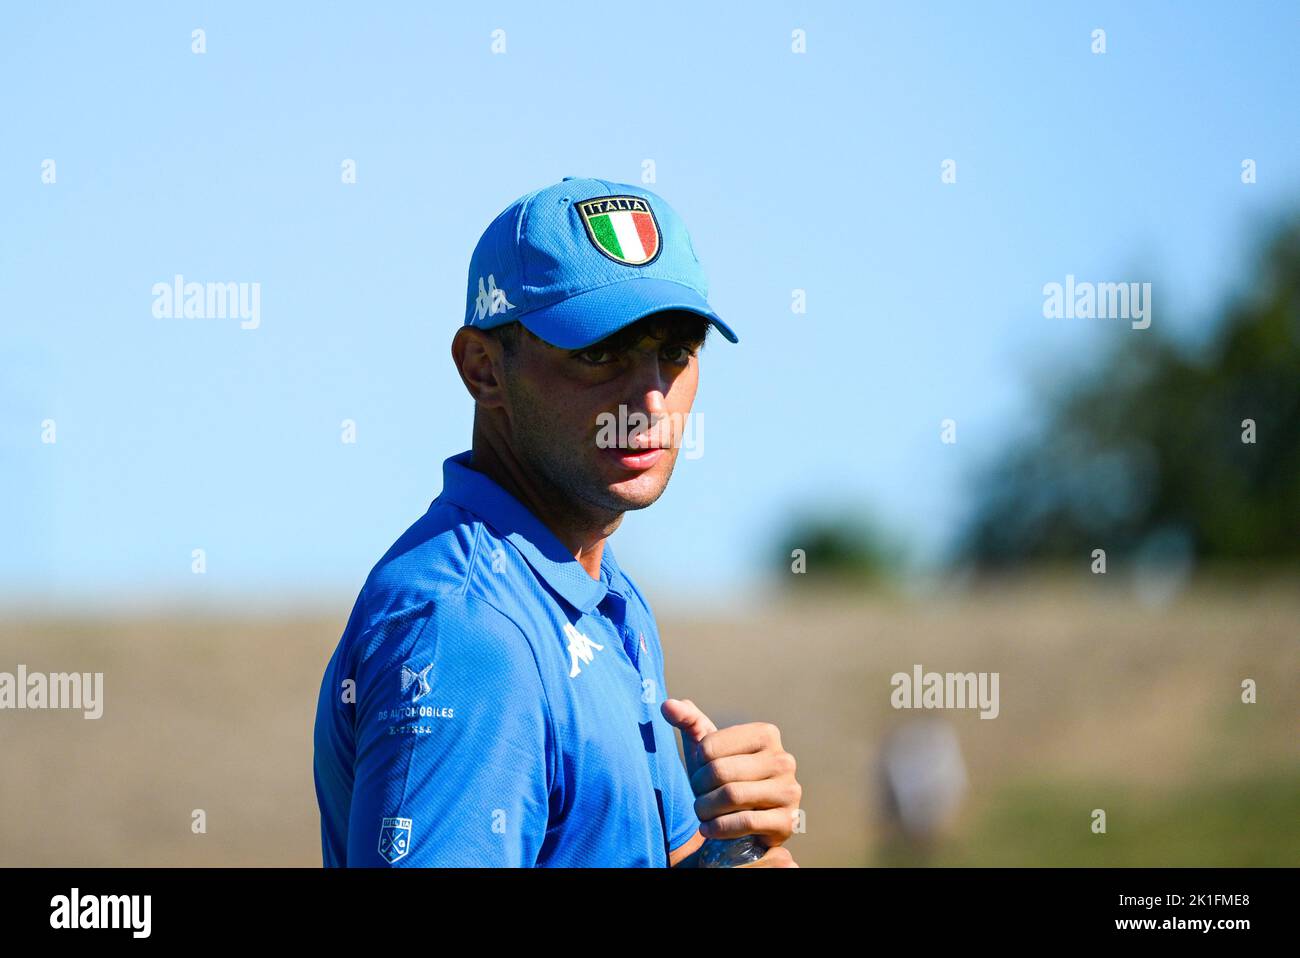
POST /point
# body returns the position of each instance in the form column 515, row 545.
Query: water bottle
column 730, row 852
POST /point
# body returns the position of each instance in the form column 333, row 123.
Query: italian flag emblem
column 624, row 228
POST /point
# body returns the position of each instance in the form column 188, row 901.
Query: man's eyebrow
column 613, row 343
column 675, row 333
column 601, row 344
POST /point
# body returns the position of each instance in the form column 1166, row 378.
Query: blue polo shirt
column 491, row 704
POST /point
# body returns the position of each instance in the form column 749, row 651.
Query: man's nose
column 648, row 388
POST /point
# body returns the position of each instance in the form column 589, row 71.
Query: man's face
column 566, row 417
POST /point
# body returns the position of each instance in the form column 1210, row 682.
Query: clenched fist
column 742, row 778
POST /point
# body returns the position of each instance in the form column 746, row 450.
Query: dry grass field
column 1104, row 703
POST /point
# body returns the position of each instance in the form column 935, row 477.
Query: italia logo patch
column 623, row 228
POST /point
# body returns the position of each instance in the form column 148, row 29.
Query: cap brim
column 591, row 316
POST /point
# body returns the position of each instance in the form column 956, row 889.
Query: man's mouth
column 635, row 459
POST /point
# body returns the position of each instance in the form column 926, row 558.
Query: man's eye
column 593, row 357
column 678, row 354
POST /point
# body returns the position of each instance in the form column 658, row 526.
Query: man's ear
column 480, row 360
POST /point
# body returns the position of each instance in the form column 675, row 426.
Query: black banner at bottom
column 238, row 905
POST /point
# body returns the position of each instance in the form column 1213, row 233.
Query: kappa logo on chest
column 581, row 649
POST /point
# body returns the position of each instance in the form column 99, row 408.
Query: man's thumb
column 686, row 715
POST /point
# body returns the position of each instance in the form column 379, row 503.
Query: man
column 498, row 697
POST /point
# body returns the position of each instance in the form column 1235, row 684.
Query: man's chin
column 638, row 491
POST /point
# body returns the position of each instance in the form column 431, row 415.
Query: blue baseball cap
column 579, row 260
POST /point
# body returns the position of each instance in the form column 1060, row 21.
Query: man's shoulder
column 435, row 616
column 432, row 564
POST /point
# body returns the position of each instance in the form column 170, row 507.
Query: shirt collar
column 480, row 494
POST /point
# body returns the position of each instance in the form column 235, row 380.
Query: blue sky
column 818, row 171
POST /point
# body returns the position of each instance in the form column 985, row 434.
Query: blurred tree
column 839, row 547
column 1146, row 455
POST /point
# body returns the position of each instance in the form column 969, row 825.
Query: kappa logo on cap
column 490, row 300
column 623, row 228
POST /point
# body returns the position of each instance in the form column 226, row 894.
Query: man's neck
column 582, row 533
